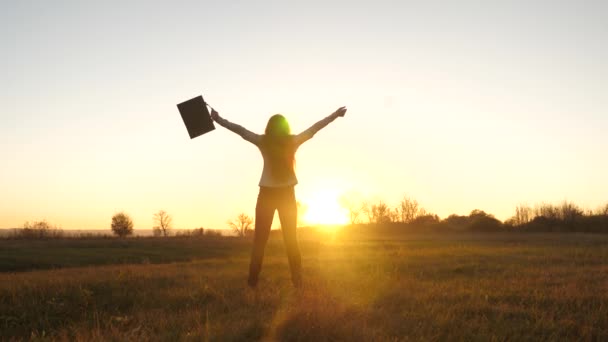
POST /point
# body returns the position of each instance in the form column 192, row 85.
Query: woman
column 278, row 147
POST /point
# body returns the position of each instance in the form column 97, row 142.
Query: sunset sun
column 323, row 207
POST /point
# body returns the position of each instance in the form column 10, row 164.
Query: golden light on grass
column 323, row 208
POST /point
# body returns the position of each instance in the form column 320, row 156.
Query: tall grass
column 413, row 287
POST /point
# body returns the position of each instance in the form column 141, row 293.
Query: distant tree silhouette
column 566, row 214
column 241, row 225
column 393, row 214
column 456, row 221
column 544, row 217
column 163, row 223
column 354, row 213
column 423, row 213
column 523, row 215
column 408, row 209
column 570, row 213
column 122, row 225
column 378, row 213
column 190, row 233
column 547, row 210
column 480, row 221
column 38, row 230
column 198, row 231
column 354, row 207
column 366, row 209
column 425, row 219
column 39, row 225
column 213, row 233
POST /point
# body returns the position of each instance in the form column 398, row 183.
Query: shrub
column 38, row 230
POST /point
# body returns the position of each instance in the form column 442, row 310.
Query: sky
column 460, row 105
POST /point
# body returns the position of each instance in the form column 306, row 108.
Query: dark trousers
column 269, row 200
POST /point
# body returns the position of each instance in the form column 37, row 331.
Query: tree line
column 544, row 217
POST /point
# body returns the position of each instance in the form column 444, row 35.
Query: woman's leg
column 264, row 213
column 288, row 214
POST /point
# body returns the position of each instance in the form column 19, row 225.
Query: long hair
column 279, row 147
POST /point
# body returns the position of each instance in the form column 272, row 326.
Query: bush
column 191, row 233
column 38, row 230
column 198, row 231
column 213, row 233
column 485, row 224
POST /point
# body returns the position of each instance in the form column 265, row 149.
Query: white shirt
column 267, row 180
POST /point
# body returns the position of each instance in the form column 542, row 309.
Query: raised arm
column 240, row 130
column 312, row 130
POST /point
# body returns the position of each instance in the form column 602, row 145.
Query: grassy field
column 358, row 287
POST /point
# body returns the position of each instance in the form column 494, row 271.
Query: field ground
column 358, row 287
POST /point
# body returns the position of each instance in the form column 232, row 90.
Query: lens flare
column 323, row 208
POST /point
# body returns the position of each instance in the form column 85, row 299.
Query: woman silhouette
column 278, row 147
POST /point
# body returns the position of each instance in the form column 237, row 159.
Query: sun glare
column 323, row 208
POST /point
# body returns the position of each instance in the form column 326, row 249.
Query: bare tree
column 393, row 214
column 603, row 210
column 570, row 212
column 408, row 209
column 354, row 207
column 122, row 225
column 241, row 225
column 163, row 223
column 380, row 213
column 548, row 211
column 523, row 215
column 423, row 213
column 567, row 212
column 354, row 213
column 366, row 208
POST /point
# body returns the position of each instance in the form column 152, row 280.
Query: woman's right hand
column 340, row 111
column 214, row 115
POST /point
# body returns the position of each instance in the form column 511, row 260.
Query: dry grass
column 427, row 287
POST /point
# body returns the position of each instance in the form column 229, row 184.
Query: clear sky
column 458, row 104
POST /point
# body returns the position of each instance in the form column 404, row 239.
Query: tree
column 122, row 225
column 163, row 223
column 380, row 213
column 548, row 211
column 366, row 208
column 570, row 212
column 456, row 221
column 393, row 214
column 408, row 210
column 38, row 225
column 604, row 210
column 241, row 225
column 355, row 207
column 523, row 215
